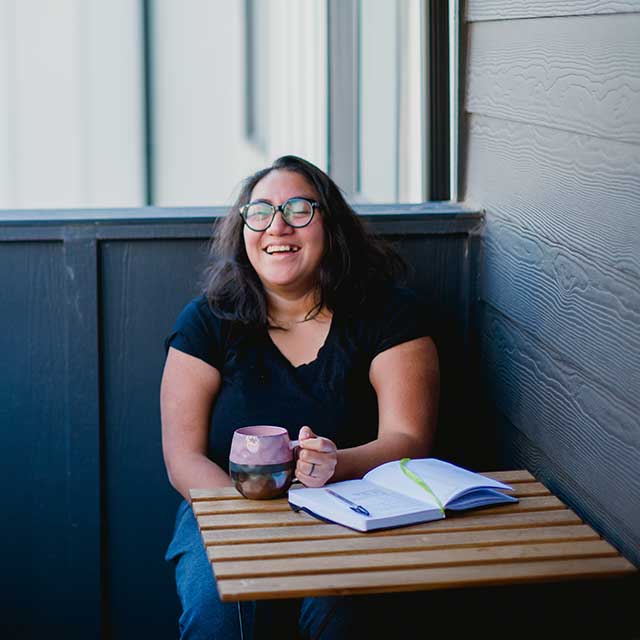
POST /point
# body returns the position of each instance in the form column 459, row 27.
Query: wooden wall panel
column 588, row 314
column 562, row 249
column 571, row 190
column 144, row 286
column 50, row 548
column 573, row 421
column 568, row 73
column 513, row 9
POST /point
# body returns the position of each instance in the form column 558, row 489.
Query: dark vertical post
column 82, row 402
column 438, row 88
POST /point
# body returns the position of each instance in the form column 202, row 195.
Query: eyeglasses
column 296, row 212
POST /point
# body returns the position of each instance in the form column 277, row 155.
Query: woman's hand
column 316, row 459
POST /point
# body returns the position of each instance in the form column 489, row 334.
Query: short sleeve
column 402, row 316
column 197, row 332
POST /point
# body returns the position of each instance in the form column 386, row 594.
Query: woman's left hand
column 317, row 459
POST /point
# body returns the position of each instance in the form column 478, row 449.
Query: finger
column 316, row 467
column 323, row 445
column 315, row 480
column 306, row 433
column 317, row 457
column 308, row 467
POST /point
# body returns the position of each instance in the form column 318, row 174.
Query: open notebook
column 399, row 493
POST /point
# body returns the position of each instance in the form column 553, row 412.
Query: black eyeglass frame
column 275, row 208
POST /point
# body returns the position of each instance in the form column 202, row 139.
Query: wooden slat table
column 263, row 550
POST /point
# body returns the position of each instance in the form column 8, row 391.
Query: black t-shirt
column 332, row 394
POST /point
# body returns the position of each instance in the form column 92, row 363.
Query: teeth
column 280, row 248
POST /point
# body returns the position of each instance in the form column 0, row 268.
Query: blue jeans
column 205, row 617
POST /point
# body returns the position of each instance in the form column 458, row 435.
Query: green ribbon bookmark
column 419, row 481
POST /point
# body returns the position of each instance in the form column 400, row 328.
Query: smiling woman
column 302, row 325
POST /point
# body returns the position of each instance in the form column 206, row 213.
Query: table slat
column 421, row 579
column 364, row 544
column 412, row 559
column 319, row 531
column 225, row 493
column 208, row 506
column 276, row 516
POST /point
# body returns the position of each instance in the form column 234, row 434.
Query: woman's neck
column 285, row 311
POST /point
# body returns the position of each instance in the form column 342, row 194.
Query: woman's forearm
column 196, row 471
column 356, row 461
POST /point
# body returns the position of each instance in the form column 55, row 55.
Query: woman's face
column 286, row 259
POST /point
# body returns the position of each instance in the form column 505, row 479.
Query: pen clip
column 360, row 509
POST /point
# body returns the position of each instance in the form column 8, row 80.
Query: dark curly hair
column 355, row 261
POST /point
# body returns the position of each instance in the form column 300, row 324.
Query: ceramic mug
column 261, row 461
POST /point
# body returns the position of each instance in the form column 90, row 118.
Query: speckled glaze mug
column 261, row 461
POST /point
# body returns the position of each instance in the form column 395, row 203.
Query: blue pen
column 352, row 505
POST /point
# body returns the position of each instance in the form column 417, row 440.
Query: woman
column 300, row 326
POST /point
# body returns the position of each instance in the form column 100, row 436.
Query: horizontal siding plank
column 383, row 544
column 477, row 10
column 589, row 315
column 577, row 74
column 568, row 189
column 574, row 421
column 431, row 578
column 412, row 559
column 516, row 446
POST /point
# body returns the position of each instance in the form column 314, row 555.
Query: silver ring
column 313, row 466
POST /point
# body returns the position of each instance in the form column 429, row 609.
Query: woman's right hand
column 317, row 459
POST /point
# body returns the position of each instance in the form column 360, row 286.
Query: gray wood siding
column 552, row 155
column 583, row 428
column 577, row 74
column 511, row 9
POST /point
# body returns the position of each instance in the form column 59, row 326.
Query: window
column 388, row 85
column 201, row 94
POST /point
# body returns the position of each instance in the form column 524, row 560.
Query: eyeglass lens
column 296, row 212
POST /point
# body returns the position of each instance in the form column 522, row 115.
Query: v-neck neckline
column 322, row 348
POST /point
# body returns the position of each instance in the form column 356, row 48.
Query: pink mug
column 261, row 461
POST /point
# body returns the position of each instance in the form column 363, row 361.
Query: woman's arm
column 188, row 390
column 406, row 379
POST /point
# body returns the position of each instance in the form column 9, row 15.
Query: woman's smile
column 281, row 249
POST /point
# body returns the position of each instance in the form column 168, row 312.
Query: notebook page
column 444, row 479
